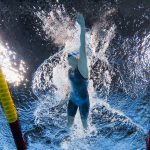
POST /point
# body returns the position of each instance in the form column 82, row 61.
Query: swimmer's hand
column 80, row 19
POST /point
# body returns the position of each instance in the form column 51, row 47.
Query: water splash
column 59, row 26
column 51, row 86
column 110, row 127
column 133, row 64
column 97, row 42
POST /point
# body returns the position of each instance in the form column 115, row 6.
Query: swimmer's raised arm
column 82, row 63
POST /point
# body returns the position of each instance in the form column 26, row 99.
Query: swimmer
column 78, row 75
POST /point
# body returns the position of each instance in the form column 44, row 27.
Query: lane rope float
column 11, row 113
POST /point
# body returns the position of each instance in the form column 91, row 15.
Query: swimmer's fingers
column 80, row 19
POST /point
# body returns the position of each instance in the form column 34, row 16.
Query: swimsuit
column 79, row 96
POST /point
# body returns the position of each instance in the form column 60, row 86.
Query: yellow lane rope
column 7, row 102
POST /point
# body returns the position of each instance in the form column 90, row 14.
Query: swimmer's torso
column 79, row 85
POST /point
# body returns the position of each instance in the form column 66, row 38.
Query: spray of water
column 51, row 85
column 133, row 63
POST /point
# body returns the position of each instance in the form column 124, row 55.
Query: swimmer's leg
column 71, row 111
column 84, row 112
